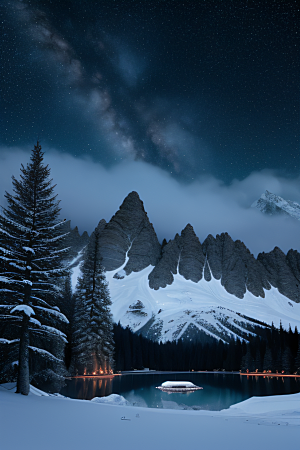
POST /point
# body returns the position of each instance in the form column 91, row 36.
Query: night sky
column 192, row 95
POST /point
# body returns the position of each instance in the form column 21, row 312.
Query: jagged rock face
column 293, row 261
column 74, row 240
column 283, row 271
column 233, row 263
column 163, row 272
column 129, row 229
column 186, row 313
column 213, row 251
column 207, row 273
column 183, row 253
column 101, row 225
column 192, row 259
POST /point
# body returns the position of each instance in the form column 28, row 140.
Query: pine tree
column 286, row 360
column 268, row 363
column 30, row 254
column 297, row 359
column 247, row 362
column 66, row 306
column 93, row 345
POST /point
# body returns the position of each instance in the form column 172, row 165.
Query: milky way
column 196, row 87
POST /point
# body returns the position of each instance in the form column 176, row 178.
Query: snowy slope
column 273, row 204
column 49, row 423
column 183, row 308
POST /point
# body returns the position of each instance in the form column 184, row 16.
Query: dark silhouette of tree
column 93, row 344
column 254, row 354
column 30, row 254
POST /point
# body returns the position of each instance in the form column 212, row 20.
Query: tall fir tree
column 93, row 345
column 297, row 358
column 268, row 362
column 31, row 249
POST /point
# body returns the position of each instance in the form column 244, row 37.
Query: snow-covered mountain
column 184, row 309
column 182, row 288
column 272, row 204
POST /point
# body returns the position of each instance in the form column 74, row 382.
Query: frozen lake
column 220, row 390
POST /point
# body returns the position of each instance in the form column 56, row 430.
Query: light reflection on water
column 88, row 388
column 219, row 390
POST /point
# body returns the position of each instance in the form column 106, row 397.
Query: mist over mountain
column 91, row 192
column 273, row 205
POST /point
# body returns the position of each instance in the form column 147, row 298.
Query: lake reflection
column 220, row 390
column 88, row 388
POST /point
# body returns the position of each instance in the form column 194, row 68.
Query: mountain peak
column 272, row 205
column 129, row 233
column 188, row 229
column 132, row 201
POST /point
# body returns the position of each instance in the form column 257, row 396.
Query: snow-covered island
column 52, row 422
column 178, row 386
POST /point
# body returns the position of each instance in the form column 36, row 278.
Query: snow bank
column 39, row 421
column 113, row 399
column 273, row 404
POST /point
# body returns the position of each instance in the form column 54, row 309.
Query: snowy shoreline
column 53, row 422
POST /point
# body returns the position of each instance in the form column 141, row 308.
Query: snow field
column 184, row 298
column 38, row 422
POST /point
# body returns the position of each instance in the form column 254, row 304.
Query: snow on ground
column 42, row 422
column 112, row 399
column 184, row 298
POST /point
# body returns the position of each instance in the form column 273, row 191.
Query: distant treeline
column 271, row 349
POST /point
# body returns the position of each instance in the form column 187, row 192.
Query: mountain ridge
column 215, row 279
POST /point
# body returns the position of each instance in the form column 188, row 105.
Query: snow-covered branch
column 26, row 309
column 4, row 280
column 29, row 250
column 6, row 341
column 44, row 353
column 53, row 312
column 54, row 331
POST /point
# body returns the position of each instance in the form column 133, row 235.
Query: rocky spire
column 232, row 262
column 183, row 254
column 129, row 230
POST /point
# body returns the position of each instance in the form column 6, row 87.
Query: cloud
column 89, row 192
